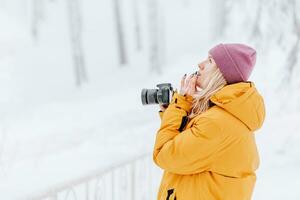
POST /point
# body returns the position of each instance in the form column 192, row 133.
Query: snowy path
column 59, row 142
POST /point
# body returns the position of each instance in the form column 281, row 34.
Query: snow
column 278, row 143
column 52, row 132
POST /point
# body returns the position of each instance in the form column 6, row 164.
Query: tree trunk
column 137, row 26
column 37, row 17
column 154, row 57
column 120, row 33
column 76, row 41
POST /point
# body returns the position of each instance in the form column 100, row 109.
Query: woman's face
column 206, row 67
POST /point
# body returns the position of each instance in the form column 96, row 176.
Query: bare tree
column 37, row 16
column 293, row 54
column 120, row 33
column 75, row 23
column 257, row 32
column 153, row 23
column 161, row 30
column 221, row 10
column 137, row 26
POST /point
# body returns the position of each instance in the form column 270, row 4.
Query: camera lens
column 149, row 96
column 157, row 96
column 144, row 97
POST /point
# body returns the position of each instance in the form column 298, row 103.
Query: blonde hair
column 201, row 98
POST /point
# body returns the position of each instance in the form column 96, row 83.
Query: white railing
column 137, row 179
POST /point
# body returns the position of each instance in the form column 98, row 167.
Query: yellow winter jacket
column 213, row 156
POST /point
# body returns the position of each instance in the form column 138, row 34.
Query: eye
column 210, row 60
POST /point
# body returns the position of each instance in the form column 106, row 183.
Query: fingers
column 192, row 85
column 188, row 79
column 188, row 84
column 163, row 107
column 183, row 80
column 193, row 80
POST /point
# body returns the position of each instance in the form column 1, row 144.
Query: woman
column 206, row 143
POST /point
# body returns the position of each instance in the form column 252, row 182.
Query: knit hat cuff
column 226, row 64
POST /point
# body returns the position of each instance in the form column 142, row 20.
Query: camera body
column 162, row 95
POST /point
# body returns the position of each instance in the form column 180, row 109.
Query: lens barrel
column 149, row 96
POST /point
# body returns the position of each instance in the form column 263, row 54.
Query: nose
column 201, row 65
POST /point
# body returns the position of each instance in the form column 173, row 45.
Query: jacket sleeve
column 190, row 151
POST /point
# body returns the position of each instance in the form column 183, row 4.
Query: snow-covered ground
column 52, row 132
column 278, row 143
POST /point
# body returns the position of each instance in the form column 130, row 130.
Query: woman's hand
column 188, row 85
column 163, row 107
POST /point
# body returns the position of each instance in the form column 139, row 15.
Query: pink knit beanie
column 235, row 61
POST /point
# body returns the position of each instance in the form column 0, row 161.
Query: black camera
column 162, row 95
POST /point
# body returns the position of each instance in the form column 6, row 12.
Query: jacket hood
column 243, row 101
